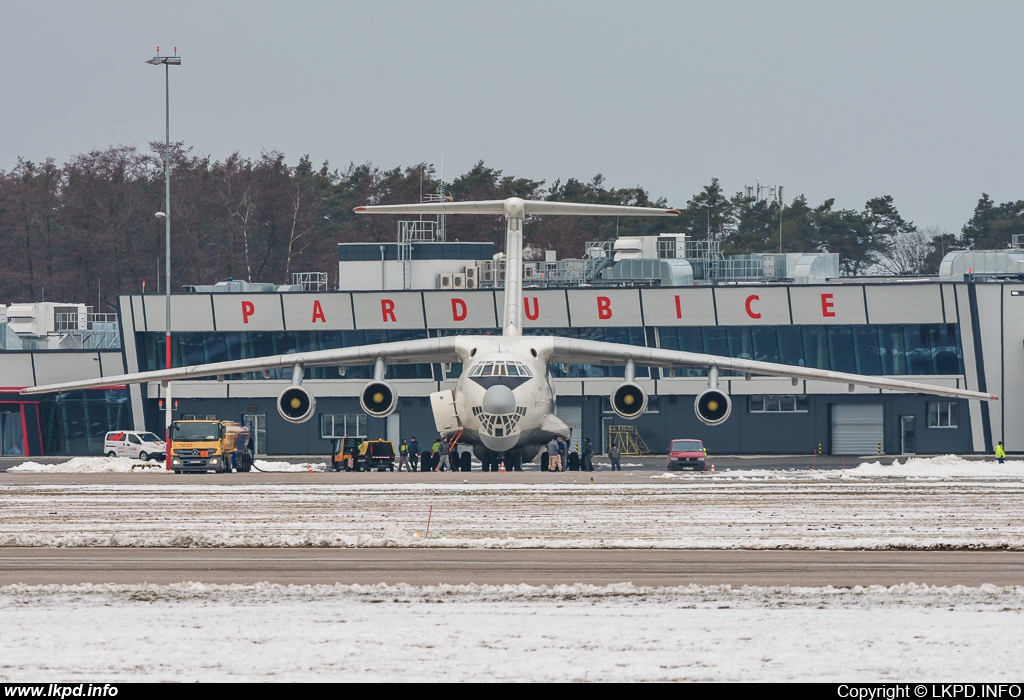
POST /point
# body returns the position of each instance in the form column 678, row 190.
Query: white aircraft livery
column 504, row 401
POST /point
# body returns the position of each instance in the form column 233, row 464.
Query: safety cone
column 502, row 469
column 712, row 466
column 310, row 466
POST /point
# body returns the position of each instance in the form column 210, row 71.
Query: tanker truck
column 205, row 445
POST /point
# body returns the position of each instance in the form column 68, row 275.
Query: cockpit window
column 501, row 369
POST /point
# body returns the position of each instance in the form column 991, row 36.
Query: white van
column 134, row 445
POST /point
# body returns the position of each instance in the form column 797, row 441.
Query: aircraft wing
column 401, row 352
column 592, row 352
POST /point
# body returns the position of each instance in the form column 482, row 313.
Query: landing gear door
column 445, row 417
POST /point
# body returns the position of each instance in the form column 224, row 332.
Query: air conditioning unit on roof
column 444, row 280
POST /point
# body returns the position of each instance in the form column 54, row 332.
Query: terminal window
column 778, row 403
column 942, row 414
column 339, row 425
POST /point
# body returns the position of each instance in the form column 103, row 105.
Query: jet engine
column 629, row 400
column 378, row 399
column 296, row 405
column 712, row 406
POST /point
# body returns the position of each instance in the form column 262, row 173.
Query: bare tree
column 906, row 252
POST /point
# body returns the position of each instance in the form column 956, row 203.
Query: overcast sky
column 920, row 100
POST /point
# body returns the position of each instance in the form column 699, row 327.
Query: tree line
column 86, row 230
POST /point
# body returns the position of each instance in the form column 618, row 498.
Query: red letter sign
column 248, row 309
column 604, row 307
column 387, row 308
column 750, row 312
column 318, row 311
column 458, row 310
column 536, row 308
column 679, row 307
column 827, row 305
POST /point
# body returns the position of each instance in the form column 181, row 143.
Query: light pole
column 167, row 62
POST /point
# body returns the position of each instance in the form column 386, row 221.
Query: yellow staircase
column 627, row 437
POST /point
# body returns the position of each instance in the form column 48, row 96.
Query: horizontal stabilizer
column 530, row 207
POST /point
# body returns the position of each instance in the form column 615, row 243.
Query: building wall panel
column 678, row 307
column 247, row 312
column 752, row 306
column 542, row 308
column 605, row 308
column 330, row 311
column 904, row 303
column 460, row 309
column 834, row 304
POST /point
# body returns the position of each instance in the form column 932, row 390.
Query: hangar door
column 573, row 417
column 857, row 428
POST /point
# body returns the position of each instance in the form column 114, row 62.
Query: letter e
column 827, row 306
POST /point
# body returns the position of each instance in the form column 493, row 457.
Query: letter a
column 318, row 311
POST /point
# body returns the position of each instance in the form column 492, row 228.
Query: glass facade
column 197, row 348
column 76, row 422
column 874, row 349
column 627, row 336
column 624, row 335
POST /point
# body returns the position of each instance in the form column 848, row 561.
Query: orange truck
column 209, row 445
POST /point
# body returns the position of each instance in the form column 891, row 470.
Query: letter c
column 751, row 312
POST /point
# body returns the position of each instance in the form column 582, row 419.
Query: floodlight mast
column 167, row 62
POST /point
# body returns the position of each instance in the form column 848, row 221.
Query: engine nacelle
column 712, row 407
column 629, row 400
column 296, row 405
column 378, row 399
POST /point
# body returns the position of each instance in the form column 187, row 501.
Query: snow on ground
column 193, row 632
column 931, row 503
column 93, row 465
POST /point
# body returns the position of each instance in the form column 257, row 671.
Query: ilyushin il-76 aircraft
column 504, row 401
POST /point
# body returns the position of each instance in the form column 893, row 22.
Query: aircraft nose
column 499, row 399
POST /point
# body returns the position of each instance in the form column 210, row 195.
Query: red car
column 687, row 455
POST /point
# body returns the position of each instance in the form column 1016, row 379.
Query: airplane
column 503, row 404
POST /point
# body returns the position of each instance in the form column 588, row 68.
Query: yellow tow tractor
column 354, row 454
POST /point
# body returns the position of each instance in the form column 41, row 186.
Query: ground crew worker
column 588, row 455
column 615, row 456
column 414, row 454
column 554, row 456
column 403, row 456
column 445, row 464
column 1000, row 453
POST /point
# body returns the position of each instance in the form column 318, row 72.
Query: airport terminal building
column 958, row 330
